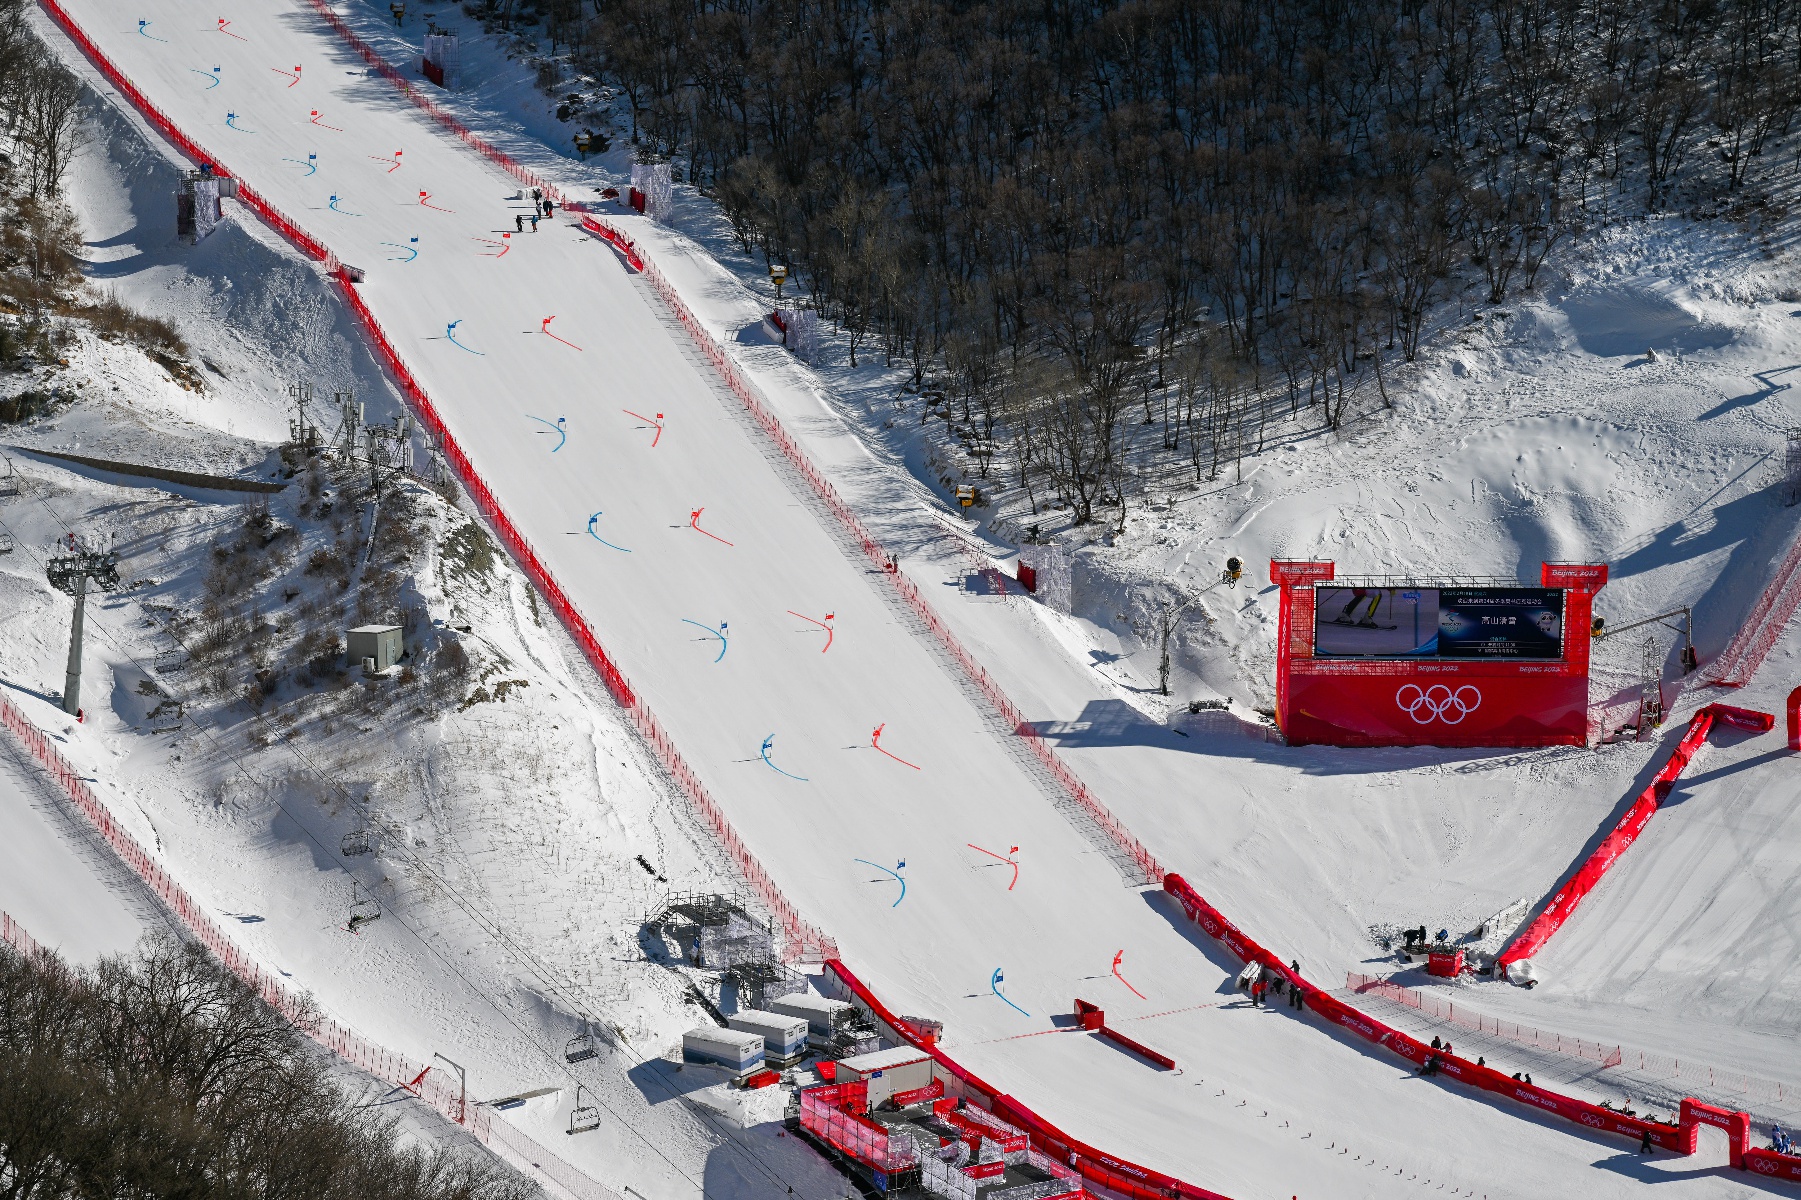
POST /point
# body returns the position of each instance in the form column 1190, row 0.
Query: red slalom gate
column 1616, row 843
column 395, row 1069
column 1095, row 1166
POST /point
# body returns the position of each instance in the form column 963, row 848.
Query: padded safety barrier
column 1616, row 843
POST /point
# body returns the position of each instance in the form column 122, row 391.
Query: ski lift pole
column 462, row 1090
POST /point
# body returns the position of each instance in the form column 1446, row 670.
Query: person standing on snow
column 534, row 222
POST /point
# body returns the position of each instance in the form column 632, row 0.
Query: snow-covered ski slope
column 705, row 625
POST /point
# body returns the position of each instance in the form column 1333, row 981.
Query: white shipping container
column 732, row 1049
column 783, row 1036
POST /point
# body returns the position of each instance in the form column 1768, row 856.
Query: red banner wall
column 1419, row 702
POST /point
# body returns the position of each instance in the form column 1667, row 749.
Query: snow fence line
column 1749, row 646
column 801, row 939
column 1437, row 1007
column 1643, row 1062
column 1116, row 1175
column 1533, row 938
column 510, row 1143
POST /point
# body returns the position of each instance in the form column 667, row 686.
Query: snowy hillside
column 521, row 832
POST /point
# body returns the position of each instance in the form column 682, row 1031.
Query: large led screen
column 1445, row 622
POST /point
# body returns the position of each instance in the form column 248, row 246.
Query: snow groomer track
column 752, row 614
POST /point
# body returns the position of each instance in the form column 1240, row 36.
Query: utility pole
column 70, row 573
column 463, row 1096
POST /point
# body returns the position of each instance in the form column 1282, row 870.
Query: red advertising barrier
column 802, row 940
column 1115, row 1174
column 627, row 249
column 1616, row 843
column 437, row 1090
column 1431, row 702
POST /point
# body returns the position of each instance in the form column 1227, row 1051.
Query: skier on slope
column 518, row 222
column 534, row 222
column 1368, row 620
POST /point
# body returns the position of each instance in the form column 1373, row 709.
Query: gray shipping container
column 784, row 1037
column 736, row 1051
column 824, row 1017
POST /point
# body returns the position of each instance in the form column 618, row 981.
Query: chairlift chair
column 581, row 1047
column 583, row 1118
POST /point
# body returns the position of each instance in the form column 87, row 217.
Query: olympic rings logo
column 1437, row 702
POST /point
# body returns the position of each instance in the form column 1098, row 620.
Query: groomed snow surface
column 708, row 571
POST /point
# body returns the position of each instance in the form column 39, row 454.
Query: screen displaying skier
column 1457, row 623
column 1355, row 622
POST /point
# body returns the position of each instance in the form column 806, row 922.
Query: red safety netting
column 435, row 1088
column 468, row 137
column 1532, row 939
column 1762, row 626
column 1442, row 1009
column 626, row 247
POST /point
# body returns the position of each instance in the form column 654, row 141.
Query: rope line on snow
column 212, row 80
column 312, row 167
column 322, row 124
column 334, row 207
column 228, row 33
column 425, row 201
column 891, row 871
column 395, row 161
column 718, row 633
column 504, row 246
column 144, row 28
column 767, row 742
column 293, row 76
column 412, row 251
column 450, row 332
column 230, row 123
